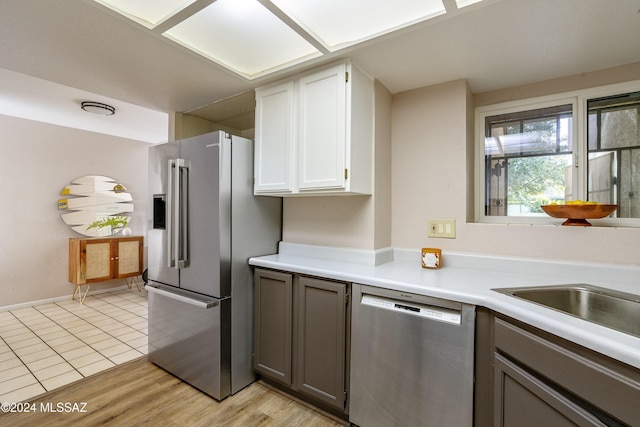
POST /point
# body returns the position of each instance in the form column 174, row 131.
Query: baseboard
column 61, row 298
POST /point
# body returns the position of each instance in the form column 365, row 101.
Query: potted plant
column 117, row 223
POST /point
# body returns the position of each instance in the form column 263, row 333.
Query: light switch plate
column 445, row 228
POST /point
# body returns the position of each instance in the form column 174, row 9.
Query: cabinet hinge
column 346, row 173
column 346, row 298
column 346, row 77
column 345, row 397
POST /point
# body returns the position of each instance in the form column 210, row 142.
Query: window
column 614, row 152
column 582, row 145
column 526, row 156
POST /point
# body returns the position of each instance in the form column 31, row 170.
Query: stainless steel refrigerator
column 204, row 225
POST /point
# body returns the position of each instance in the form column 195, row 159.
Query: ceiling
column 282, row 33
column 79, row 45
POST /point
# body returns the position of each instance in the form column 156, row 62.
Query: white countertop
column 469, row 278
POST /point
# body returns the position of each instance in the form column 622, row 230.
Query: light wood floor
column 138, row 393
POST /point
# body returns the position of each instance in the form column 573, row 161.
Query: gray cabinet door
column 321, row 340
column 272, row 327
column 539, row 376
column 523, row 400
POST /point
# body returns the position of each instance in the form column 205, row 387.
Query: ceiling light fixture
column 98, row 108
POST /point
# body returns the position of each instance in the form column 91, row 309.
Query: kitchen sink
column 606, row 307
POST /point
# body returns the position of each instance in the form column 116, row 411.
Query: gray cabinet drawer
column 597, row 381
column 524, row 400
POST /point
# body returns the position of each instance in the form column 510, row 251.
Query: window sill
column 548, row 221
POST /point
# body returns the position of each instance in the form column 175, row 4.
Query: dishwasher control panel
column 426, row 311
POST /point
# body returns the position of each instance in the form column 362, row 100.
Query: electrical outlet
column 445, row 228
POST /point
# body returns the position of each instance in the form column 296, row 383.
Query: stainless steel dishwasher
column 411, row 360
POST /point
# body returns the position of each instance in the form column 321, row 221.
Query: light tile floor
column 47, row 346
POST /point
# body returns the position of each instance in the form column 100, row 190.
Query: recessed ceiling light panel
column 147, row 12
column 339, row 23
column 242, row 35
column 464, row 3
column 256, row 37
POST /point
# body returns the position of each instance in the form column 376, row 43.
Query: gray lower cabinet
column 524, row 400
column 321, row 340
column 272, row 331
column 542, row 380
column 301, row 335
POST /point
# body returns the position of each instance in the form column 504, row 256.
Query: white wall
column 38, row 161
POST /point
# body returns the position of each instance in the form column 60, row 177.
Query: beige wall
column 182, row 126
column 39, row 160
column 620, row 74
column 431, row 152
column 360, row 222
column 429, row 163
column 382, row 167
column 431, row 180
column 423, row 161
column 344, row 221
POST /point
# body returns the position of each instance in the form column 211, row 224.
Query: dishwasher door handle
column 431, row 312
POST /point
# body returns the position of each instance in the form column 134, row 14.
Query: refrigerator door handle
column 204, row 303
column 177, row 214
column 181, row 241
column 170, row 214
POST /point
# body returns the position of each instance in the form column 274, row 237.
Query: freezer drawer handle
column 201, row 304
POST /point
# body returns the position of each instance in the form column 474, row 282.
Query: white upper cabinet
column 314, row 134
column 322, row 128
column 275, row 131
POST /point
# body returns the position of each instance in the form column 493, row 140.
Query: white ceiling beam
column 450, row 5
column 295, row 26
column 185, row 13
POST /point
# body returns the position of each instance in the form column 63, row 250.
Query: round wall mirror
column 96, row 206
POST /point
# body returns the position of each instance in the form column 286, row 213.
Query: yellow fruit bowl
column 577, row 214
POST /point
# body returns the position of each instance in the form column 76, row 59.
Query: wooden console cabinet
column 98, row 259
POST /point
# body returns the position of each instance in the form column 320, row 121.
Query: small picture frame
column 431, row 258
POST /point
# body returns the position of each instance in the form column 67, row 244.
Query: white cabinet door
column 314, row 134
column 274, row 150
column 322, row 129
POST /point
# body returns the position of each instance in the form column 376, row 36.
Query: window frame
column 580, row 152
